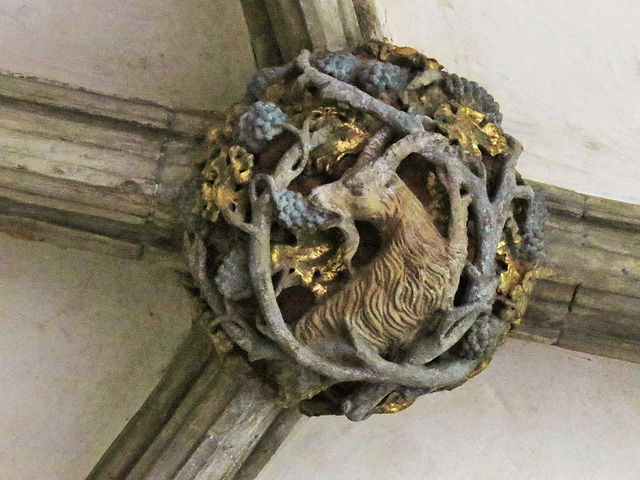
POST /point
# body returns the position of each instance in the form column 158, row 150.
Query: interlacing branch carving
column 392, row 338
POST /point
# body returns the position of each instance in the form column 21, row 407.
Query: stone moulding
column 359, row 229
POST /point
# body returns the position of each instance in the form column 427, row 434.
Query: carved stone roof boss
column 359, row 229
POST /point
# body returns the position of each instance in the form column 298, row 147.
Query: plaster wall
column 188, row 54
column 566, row 74
column 537, row 412
column 84, row 339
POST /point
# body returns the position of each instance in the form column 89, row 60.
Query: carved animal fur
column 415, row 273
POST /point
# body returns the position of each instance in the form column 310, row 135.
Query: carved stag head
column 361, row 230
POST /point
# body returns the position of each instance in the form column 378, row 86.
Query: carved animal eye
column 356, row 189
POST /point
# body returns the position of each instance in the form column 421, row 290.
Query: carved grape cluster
column 377, row 78
column 296, row 212
column 340, row 65
column 260, row 124
column 483, row 338
column 472, row 95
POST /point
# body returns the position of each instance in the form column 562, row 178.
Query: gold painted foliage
column 315, row 260
column 465, row 127
column 394, row 403
column 517, row 281
column 225, row 179
column 404, row 56
column 347, row 139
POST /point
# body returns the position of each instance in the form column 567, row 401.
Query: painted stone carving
column 359, row 229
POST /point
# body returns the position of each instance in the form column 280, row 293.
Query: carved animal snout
column 366, row 195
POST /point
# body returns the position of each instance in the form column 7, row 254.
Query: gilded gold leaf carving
column 394, row 403
column 465, row 127
column 394, row 54
column 517, row 280
column 315, row 261
column 226, row 177
column 347, row 138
